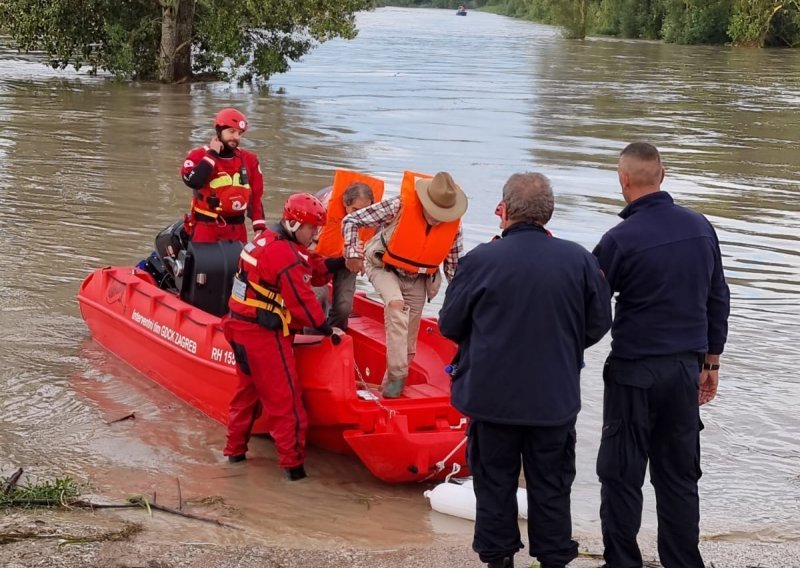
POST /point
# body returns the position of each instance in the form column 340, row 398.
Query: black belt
column 236, row 316
column 401, row 273
column 234, row 220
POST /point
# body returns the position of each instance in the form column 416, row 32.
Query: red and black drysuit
column 272, row 300
column 226, row 186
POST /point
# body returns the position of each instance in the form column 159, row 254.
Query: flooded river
column 90, row 174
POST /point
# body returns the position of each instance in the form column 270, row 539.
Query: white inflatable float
column 456, row 497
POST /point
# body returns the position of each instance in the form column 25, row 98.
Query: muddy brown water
column 90, row 174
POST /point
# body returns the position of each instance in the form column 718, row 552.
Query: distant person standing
column 523, row 308
column 226, row 184
column 670, row 327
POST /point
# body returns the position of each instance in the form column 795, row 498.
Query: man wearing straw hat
column 419, row 230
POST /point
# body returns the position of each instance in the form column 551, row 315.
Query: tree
column 766, row 22
column 175, row 40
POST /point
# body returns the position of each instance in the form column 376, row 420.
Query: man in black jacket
column 670, row 327
column 522, row 309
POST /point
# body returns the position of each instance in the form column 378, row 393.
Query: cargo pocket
column 471, row 450
column 568, row 460
column 697, row 469
column 240, row 354
column 611, row 456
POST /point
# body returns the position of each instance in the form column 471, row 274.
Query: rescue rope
column 377, row 399
column 439, row 467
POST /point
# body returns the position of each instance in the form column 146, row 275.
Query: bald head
column 640, row 170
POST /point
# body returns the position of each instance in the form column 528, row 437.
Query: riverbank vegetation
column 754, row 23
column 35, row 493
column 178, row 40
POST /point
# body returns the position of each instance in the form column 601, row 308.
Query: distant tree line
column 757, row 23
column 453, row 4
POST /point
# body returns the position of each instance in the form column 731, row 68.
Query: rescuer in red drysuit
column 272, row 300
column 226, row 183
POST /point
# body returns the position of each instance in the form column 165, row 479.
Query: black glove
column 334, row 264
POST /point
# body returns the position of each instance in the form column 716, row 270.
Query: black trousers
column 495, row 453
column 651, row 412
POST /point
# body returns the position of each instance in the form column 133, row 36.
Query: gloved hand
column 334, row 264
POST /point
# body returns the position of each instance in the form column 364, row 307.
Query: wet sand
column 79, row 538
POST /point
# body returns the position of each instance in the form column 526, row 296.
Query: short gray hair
column 528, row 198
column 357, row 190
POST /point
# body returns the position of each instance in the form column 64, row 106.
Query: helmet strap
column 291, row 227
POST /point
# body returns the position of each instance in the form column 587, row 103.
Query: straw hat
column 441, row 197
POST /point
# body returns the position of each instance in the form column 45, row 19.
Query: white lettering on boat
column 171, row 335
column 219, row 355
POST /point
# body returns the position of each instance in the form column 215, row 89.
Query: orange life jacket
column 415, row 246
column 331, row 241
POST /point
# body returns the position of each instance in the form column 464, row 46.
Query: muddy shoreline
column 132, row 539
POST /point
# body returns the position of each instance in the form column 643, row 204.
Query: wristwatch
column 711, row 366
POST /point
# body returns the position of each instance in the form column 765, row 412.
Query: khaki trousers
column 402, row 326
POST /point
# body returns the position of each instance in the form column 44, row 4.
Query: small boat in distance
column 462, row 11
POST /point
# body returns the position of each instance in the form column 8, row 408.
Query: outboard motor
column 171, row 245
column 200, row 273
column 208, row 271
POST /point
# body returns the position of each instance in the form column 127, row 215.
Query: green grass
column 38, row 492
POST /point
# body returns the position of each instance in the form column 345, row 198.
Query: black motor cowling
column 200, row 273
column 208, row 271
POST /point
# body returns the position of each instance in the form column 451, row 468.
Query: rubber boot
column 396, row 351
column 296, row 473
column 507, row 562
column 394, row 388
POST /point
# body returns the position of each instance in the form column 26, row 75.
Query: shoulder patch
column 249, row 247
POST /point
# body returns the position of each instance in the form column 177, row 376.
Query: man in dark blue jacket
column 670, row 327
column 522, row 309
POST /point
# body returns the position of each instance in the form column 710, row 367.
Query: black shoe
column 296, row 473
column 237, row 459
column 507, row 562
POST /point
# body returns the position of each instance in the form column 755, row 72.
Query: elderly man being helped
column 418, row 230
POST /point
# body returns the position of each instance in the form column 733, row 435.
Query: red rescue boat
column 416, row 437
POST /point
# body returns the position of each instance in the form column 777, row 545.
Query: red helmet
column 304, row 208
column 231, row 118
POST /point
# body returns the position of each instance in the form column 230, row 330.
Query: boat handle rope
column 376, row 400
column 456, row 469
column 439, row 467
